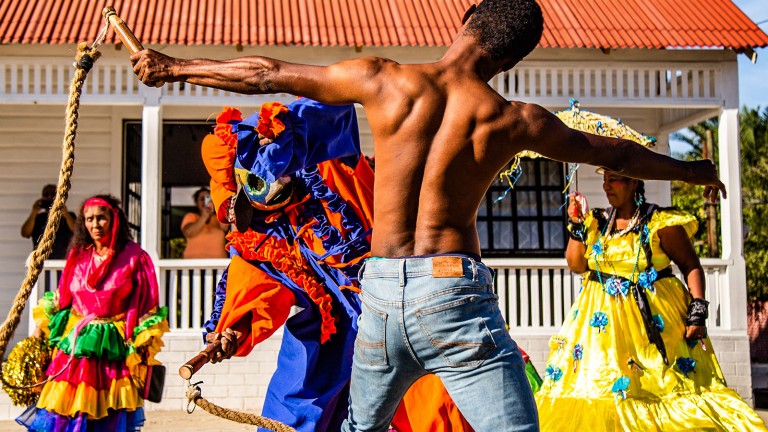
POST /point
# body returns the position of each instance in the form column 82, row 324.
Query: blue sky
column 753, row 78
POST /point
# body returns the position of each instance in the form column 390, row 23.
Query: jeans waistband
column 444, row 265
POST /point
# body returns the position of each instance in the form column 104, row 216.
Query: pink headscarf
column 95, row 276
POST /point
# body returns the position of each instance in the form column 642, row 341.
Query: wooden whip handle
column 198, row 361
column 121, row 28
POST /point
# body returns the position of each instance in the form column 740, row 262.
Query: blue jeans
column 419, row 318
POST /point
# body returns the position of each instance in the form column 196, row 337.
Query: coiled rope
column 194, row 398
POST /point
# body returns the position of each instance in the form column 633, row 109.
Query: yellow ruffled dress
column 603, row 374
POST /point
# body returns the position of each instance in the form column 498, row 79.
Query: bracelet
column 577, row 231
column 698, row 311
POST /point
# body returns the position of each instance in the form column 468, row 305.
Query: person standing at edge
column 441, row 134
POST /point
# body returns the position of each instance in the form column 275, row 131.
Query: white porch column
column 662, row 189
column 151, row 171
column 735, row 298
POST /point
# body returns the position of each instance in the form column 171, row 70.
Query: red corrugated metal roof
column 568, row 23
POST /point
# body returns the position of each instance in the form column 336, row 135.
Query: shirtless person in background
column 441, row 134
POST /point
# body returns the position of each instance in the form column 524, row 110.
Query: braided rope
column 84, row 61
column 194, row 396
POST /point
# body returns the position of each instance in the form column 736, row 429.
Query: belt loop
column 360, row 271
column 402, row 273
column 474, row 269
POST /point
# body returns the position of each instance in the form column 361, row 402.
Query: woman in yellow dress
column 633, row 353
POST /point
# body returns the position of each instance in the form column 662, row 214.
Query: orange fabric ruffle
column 256, row 295
column 269, row 125
column 354, row 185
column 218, row 152
column 288, row 260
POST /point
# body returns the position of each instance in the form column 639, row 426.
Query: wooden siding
column 30, row 157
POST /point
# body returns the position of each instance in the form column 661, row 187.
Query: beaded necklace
column 598, row 248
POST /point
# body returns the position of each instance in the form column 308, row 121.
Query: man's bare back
column 440, row 134
column 439, row 143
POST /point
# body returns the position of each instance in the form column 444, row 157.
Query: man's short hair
column 506, row 29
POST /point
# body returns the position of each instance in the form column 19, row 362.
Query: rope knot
column 193, row 394
column 86, row 56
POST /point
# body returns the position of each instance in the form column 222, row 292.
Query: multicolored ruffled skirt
column 97, row 388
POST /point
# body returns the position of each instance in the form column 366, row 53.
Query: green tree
column 688, row 197
column 754, row 189
column 753, row 129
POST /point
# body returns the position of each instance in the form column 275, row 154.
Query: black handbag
column 154, row 383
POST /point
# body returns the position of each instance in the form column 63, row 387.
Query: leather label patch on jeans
column 447, row 267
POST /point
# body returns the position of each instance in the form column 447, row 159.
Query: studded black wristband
column 577, row 231
column 698, row 311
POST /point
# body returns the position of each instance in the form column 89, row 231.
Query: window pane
column 482, row 231
column 528, row 178
column 526, row 203
column 554, row 238
column 502, row 206
column 528, row 234
column 553, row 203
column 502, row 235
column 551, row 174
column 529, row 219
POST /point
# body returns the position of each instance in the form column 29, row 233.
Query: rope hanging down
column 85, row 57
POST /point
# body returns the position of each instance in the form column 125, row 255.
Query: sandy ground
column 199, row 421
column 177, row 421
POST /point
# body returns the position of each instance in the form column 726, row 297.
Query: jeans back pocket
column 457, row 330
column 371, row 342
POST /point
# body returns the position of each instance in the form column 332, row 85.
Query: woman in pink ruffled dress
column 105, row 326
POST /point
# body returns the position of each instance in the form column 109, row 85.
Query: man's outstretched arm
column 548, row 136
column 341, row 83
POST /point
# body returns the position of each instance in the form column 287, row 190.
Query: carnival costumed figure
column 105, row 326
column 633, row 353
column 294, row 182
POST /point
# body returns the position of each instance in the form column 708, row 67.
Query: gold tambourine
column 24, row 369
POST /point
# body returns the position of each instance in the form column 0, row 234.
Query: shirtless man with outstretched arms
column 441, row 134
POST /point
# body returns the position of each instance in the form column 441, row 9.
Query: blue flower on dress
column 647, row 278
column 659, row 321
column 578, row 353
column 575, row 313
column 553, row 373
column 597, row 249
column 616, row 286
column 686, row 365
column 599, row 320
column 620, row 388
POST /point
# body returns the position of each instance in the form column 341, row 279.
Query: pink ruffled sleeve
column 65, row 291
column 145, row 297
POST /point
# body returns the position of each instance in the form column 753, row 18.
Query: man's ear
column 468, row 14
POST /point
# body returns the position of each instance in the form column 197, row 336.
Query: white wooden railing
column 111, row 81
column 600, row 84
column 534, row 294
